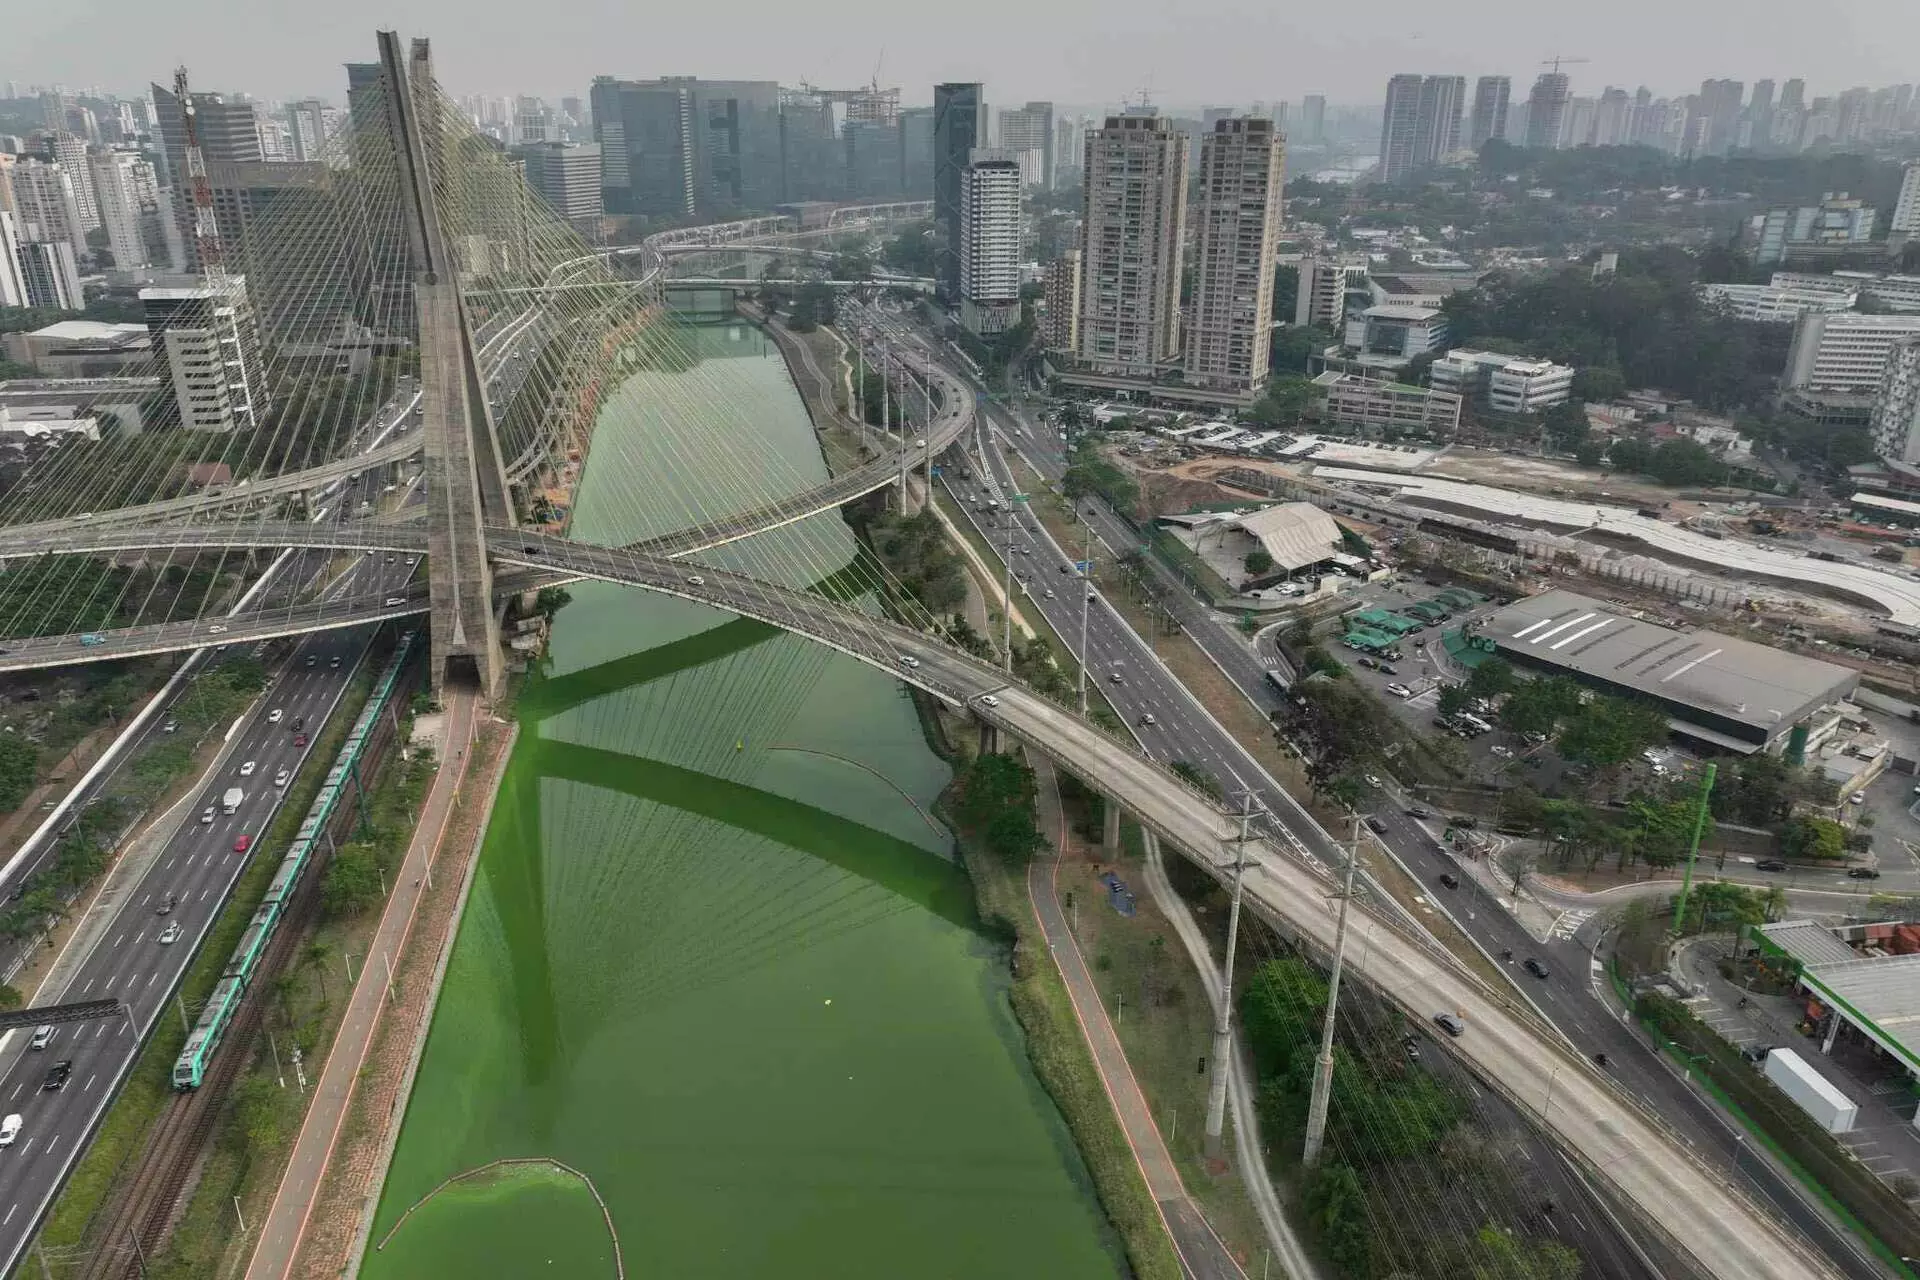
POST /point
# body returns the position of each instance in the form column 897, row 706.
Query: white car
column 274, row 716
column 1505, row 753
column 1372, row 781
column 216, row 631
column 988, row 700
column 206, row 816
column 909, row 661
column 246, row 770
column 10, row 1129
column 1399, row 691
column 280, row 778
column 170, row 935
column 695, row 580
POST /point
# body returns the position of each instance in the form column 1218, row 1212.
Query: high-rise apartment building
column 1895, row 423
column 680, row 146
column 1242, row 171
column 991, row 223
column 117, row 187
column 48, row 272
column 1613, row 118
column 1547, row 110
column 1400, row 128
column 1313, row 119
column 47, row 209
column 567, row 176
column 1027, row 132
column 1441, row 101
column 13, row 289
column 1134, row 236
column 1490, row 101
column 1906, row 209
column 69, row 151
column 1060, row 321
column 1324, row 288
column 310, row 123
column 212, row 348
column 1067, row 134
column 959, row 129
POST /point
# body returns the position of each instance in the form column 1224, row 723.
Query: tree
column 1337, row 1212
column 1258, row 562
column 813, row 306
column 1517, row 860
column 1566, row 425
column 1199, row 777
column 1809, row 838
column 1589, row 452
column 19, row 770
column 256, row 1110
column 1611, row 731
column 1599, row 382
column 352, row 883
column 1013, row 836
column 1454, row 699
column 1493, row 677
column 1286, row 401
column 10, row 997
column 1286, row 291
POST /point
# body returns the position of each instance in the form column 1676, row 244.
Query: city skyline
column 1192, row 59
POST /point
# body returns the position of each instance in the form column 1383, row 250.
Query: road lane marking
column 53, row 1144
column 89, row 1083
column 88, row 987
column 15, row 1206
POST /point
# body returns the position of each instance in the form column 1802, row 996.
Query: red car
column 299, row 739
column 242, row 844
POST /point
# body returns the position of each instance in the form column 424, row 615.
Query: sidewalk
column 1202, row 1254
column 285, row 1226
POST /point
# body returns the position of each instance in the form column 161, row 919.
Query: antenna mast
column 206, row 232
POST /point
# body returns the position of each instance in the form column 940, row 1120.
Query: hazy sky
column 1230, row 52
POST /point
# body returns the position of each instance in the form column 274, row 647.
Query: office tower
column 990, row 227
column 1242, row 171
column 1441, row 100
column 1313, row 119
column 212, row 347
column 1060, row 323
column 1895, row 423
column 307, row 129
column 13, row 288
column 1400, row 128
column 48, row 272
column 117, row 187
column 229, row 133
column 916, row 152
column 1489, row 120
column 70, row 153
column 959, row 128
column 680, row 146
column 44, row 201
column 567, row 176
column 1027, row 132
column 1066, row 151
column 1546, row 110
column 1906, row 209
column 1134, row 237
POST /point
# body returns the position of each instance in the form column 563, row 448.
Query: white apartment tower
column 13, row 287
column 212, row 346
column 117, row 191
column 990, row 226
column 50, row 277
column 1906, row 210
column 1896, row 406
column 44, row 201
column 1027, row 132
column 70, row 153
column 1133, row 240
column 1242, row 171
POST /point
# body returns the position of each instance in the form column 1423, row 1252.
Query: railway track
column 137, row 1220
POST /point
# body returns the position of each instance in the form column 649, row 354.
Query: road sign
column 1018, row 497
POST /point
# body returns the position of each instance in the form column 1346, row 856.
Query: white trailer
column 1818, row 1096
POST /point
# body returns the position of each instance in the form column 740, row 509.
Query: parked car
column 1399, row 690
column 1419, row 811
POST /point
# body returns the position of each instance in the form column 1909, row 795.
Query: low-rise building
column 1390, row 335
column 1773, row 304
column 1837, row 222
column 1507, row 384
column 81, row 348
column 1844, row 353
column 48, row 421
column 1352, row 400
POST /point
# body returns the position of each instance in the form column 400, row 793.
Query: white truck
column 231, row 800
column 1816, row 1095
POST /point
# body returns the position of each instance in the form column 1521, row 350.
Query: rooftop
column 1295, row 534
column 1808, row 941
column 1398, row 311
column 90, row 331
column 1719, row 675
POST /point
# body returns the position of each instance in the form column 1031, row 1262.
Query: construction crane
column 1556, row 60
column 206, row 231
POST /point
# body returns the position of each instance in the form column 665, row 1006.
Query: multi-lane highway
column 1183, row 729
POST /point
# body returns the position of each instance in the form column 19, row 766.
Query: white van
column 10, row 1129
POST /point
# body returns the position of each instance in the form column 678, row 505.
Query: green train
column 190, row 1068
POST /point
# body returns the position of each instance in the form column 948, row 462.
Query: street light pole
column 1223, row 1020
column 1323, row 1066
column 1086, row 606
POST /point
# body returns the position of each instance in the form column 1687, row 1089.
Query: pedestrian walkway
column 286, row 1222
column 1202, row 1254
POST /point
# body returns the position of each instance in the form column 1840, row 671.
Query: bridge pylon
column 466, row 482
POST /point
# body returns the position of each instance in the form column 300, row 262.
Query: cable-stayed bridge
column 416, row 299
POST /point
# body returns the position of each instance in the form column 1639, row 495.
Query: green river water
column 716, row 957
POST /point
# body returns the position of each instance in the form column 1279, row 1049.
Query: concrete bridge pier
column 1110, row 829
column 989, row 738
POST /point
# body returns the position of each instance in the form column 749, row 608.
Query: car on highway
column 10, row 1129
column 170, row 934
column 1419, row 811
column 908, row 661
column 1449, row 880
column 242, row 843
column 1863, row 873
column 333, row 665
column 393, row 602
column 280, row 779
column 42, row 1037
column 1535, row 968
column 216, row 631
column 988, row 700
column 1450, row 1023
column 1769, row 864
column 299, row 739
column 1147, row 721
column 1376, row 826
column 275, row 716
column 695, row 580
column 167, row 904
column 247, row 767
column 1113, row 677
column 206, row 816
column 57, row 1075
column 299, row 723
column 312, row 658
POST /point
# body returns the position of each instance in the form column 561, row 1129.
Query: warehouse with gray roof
column 1718, row 690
